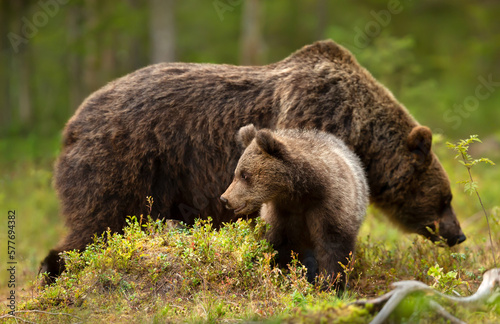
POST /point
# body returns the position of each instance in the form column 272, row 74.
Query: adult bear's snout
column 456, row 240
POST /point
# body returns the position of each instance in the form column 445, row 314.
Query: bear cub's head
column 261, row 174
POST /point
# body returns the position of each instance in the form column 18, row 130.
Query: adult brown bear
column 166, row 131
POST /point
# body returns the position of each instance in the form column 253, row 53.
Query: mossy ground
column 160, row 272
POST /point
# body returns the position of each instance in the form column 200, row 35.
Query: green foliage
column 462, row 148
column 470, row 187
column 198, row 273
column 444, row 282
column 162, row 271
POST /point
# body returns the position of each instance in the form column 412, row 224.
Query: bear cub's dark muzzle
column 225, row 202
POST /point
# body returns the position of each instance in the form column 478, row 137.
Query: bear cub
column 311, row 189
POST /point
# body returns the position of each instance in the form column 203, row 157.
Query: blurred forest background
column 431, row 54
column 440, row 58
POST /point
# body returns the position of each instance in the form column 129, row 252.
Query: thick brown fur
column 162, row 131
column 309, row 187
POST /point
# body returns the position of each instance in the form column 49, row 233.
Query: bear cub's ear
column 246, row 134
column 269, row 144
column 419, row 143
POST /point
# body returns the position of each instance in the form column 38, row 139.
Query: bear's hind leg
column 53, row 265
column 311, row 264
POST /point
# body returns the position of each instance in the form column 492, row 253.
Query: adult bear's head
column 424, row 205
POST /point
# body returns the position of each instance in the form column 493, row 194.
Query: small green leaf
column 486, row 160
column 470, row 187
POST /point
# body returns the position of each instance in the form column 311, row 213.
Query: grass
column 162, row 273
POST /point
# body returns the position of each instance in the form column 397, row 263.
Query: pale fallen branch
column 7, row 316
column 388, row 302
column 441, row 311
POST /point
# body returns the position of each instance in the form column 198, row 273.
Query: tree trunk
column 22, row 66
column 162, row 30
column 25, row 106
column 322, row 14
column 108, row 57
column 136, row 58
column 75, row 70
column 91, row 61
column 5, row 113
column 251, row 39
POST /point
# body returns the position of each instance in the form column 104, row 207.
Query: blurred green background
column 440, row 58
column 432, row 54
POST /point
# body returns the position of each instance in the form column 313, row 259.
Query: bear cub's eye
column 244, row 176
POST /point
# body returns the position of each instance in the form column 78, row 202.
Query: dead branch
column 444, row 313
column 7, row 316
column 388, row 302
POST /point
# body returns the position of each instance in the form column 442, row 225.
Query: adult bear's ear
column 419, row 143
column 269, row 144
column 246, row 134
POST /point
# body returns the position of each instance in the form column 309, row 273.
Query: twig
column 462, row 147
column 403, row 288
column 491, row 279
column 487, row 220
column 16, row 318
column 376, row 302
column 441, row 311
column 35, row 311
column 484, row 209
